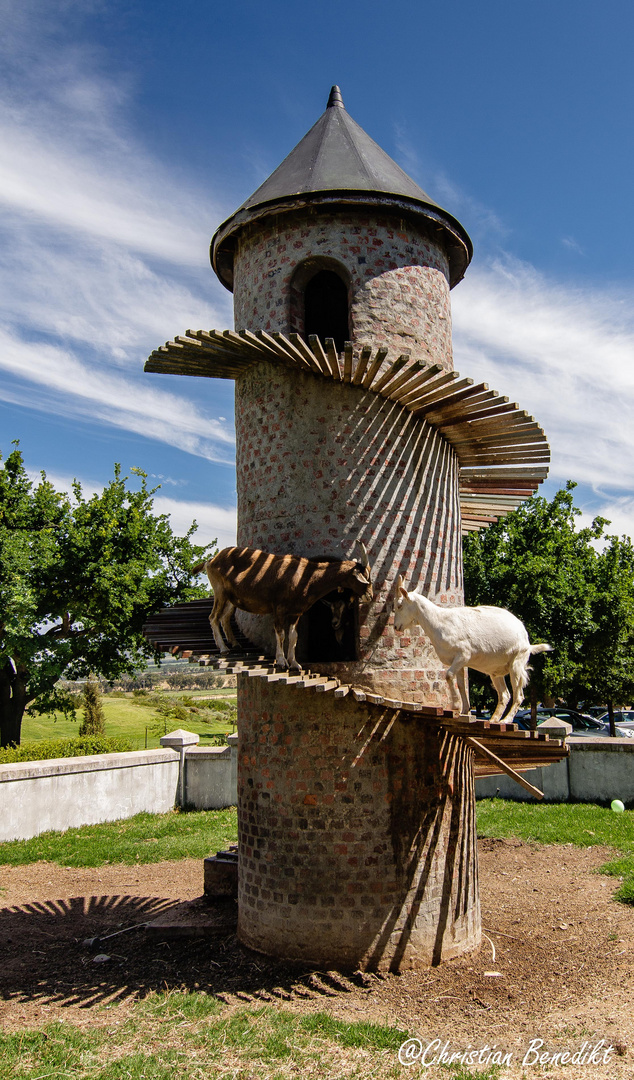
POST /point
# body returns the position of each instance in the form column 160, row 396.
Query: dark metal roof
column 336, row 160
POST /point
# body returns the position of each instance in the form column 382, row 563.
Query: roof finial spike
column 335, row 100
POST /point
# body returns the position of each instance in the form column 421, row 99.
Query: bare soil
column 557, row 961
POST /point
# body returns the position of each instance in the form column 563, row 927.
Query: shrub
column 94, row 722
column 60, row 748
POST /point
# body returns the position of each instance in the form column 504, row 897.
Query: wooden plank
column 432, row 402
column 309, row 357
column 347, row 361
column 471, row 473
column 368, row 379
column 427, row 374
column 318, row 351
column 275, row 350
column 494, row 440
column 459, row 400
column 342, row 691
column 506, row 411
column 292, row 351
column 391, row 373
column 362, row 363
column 419, row 395
column 359, row 695
column 323, row 687
column 333, row 358
column 406, row 378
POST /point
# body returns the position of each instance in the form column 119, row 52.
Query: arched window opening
column 326, row 308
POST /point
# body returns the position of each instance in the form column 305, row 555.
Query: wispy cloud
column 566, row 354
column 102, row 247
column 69, row 387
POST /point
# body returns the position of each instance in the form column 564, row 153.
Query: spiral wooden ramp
column 502, row 451
column 183, row 630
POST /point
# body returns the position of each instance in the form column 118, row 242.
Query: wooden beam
column 519, row 779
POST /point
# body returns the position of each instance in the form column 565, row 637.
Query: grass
column 582, row 824
column 128, row 717
column 144, row 838
column 190, row 1036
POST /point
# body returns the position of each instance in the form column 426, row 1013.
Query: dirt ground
column 557, row 961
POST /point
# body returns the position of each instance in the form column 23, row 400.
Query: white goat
column 489, row 639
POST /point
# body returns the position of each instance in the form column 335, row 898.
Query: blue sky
column 130, row 130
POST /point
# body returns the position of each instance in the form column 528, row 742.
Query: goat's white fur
column 488, row 639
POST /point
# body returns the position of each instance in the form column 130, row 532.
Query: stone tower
column 355, row 789
column 339, row 242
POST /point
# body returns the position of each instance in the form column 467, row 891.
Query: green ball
column 617, row 806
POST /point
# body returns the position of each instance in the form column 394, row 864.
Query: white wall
column 598, row 770
column 36, row 796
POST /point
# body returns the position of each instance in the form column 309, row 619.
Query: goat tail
column 541, row 648
column 199, row 567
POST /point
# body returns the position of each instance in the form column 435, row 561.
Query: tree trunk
column 611, row 718
column 13, row 701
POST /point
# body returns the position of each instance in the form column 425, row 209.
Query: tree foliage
column 551, row 575
column 78, row 577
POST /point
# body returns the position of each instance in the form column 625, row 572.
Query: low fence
column 61, row 793
column 597, row 770
column 36, row 796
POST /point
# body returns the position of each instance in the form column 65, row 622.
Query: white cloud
column 565, row 354
column 214, row 522
column 103, row 249
column 70, row 387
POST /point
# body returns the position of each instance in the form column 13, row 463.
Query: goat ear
column 400, row 588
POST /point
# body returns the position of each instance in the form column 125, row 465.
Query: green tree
column 538, row 565
column 78, row 577
column 94, row 721
column 609, row 648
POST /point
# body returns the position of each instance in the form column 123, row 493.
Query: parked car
column 623, row 717
column 582, row 723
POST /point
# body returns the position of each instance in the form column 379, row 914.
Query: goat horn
column 365, row 562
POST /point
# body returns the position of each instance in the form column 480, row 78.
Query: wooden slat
column 405, row 379
column 333, row 358
column 369, row 377
column 391, row 373
column 419, row 395
column 362, row 363
column 427, row 374
column 309, row 357
column 347, row 361
column 289, row 350
column 318, row 350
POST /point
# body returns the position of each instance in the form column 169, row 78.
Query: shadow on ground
column 46, row 958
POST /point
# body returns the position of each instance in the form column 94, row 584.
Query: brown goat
column 284, row 586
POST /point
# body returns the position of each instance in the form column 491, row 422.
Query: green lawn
column 144, row 838
column 190, row 1035
column 129, row 717
column 583, row 824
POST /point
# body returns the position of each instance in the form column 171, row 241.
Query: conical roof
column 337, row 160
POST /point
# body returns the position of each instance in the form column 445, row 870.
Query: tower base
column 357, row 834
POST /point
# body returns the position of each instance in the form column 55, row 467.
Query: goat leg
column 280, row 659
column 501, row 689
column 292, row 642
column 225, row 622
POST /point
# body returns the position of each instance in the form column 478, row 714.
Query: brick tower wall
column 398, row 278
column 320, row 465
column 357, row 833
